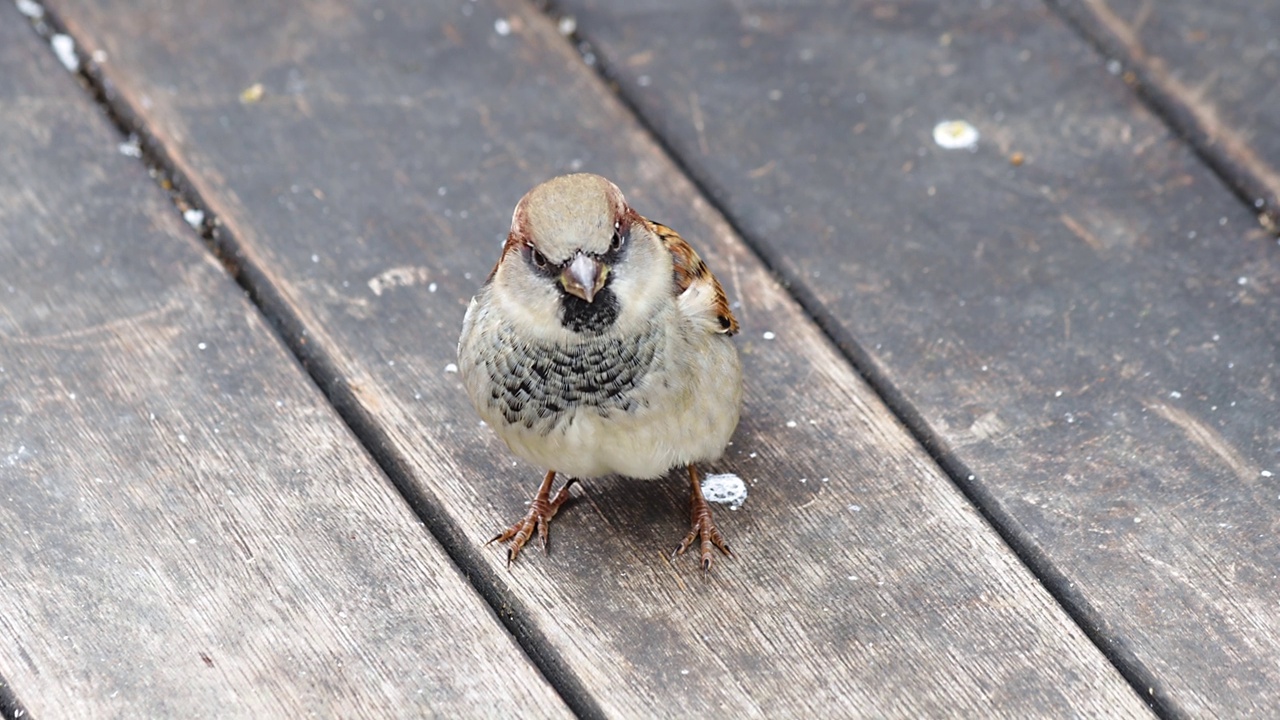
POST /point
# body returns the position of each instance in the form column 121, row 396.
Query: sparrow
column 600, row 344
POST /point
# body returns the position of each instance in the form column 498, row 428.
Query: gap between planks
column 1195, row 124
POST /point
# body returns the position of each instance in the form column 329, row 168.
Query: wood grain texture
column 1090, row 333
column 371, row 188
column 1213, row 70
column 188, row 529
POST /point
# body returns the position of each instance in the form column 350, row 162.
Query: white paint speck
column 1265, row 473
column 768, row 335
column 955, row 135
column 791, row 423
column 451, row 368
column 567, row 25
column 1175, row 394
column 725, row 489
column 1242, row 280
column 405, row 276
column 202, row 346
column 432, row 287
column 315, row 258
column 1057, row 393
column 131, row 147
column 65, row 48
column 501, row 26
column 193, row 217
column 13, row 458
column 854, row 508
column 30, row 8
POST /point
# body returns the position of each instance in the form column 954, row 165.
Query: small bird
column 600, row 344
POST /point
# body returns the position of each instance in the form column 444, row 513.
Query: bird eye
column 617, row 241
column 538, row 259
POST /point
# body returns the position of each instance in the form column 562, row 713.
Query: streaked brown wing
column 689, row 269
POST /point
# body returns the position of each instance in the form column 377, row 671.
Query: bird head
column 579, row 259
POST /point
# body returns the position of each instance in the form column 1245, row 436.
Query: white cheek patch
column 530, row 305
column 640, row 284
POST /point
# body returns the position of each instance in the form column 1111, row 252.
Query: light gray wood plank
column 186, row 527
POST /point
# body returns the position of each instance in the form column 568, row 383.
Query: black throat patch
column 589, row 318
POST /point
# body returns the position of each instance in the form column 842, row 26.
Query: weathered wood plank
column 188, row 529
column 1213, row 69
column 1091, row 333
column 370, row 188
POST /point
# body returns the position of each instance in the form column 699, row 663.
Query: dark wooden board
column 1213, row 70
column 187, row 529
column 368, row 190
column 1091, row 334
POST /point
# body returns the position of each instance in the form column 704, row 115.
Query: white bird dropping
column 955, row 135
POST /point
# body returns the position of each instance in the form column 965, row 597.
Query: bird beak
column 584, row 277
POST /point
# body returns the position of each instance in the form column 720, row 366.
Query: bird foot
column 541, row 510
column 702, row 526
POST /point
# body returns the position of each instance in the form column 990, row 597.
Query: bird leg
column 701, row 525
column 541, row 510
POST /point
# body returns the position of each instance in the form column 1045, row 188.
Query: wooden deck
column 1012, row 433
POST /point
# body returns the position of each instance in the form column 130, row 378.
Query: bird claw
column 538, row 519
column 702, row 526
column 710, row 537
